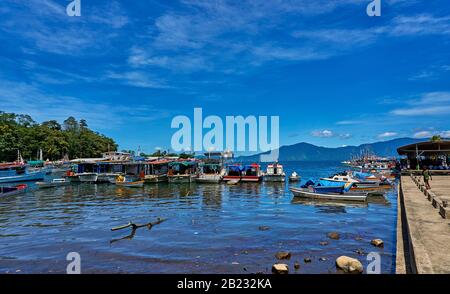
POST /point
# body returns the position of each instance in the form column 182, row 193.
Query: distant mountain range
column 308, row 152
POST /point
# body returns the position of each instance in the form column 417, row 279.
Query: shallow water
column 209, row 228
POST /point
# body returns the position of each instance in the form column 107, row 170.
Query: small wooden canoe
column 306, row 193
column 136, row 184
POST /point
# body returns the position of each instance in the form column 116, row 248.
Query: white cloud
column 429, row 134
column 44, row 26
column 387, row 135
column 445, row 134
column 20, row 97
column 423, row 134
column 345, row 136
column 422, row 24
column 434, row 103
column 349, row 122
column 137, row 79
column 323, row 134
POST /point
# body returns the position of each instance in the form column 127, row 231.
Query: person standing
column 427, row 177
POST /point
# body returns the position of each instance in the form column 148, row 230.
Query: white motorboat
column 350, row 179
column 274, row 173
column 294, row 177
column 307, row 193
column 88, row 177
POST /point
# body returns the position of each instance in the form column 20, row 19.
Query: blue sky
column 334, row 75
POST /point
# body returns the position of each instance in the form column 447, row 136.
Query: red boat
column 234, row 172
column 251, row 173
column 243, row 173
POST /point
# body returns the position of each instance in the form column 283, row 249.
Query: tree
column 25, row 120
column 71, row 124
column 83, row 124
column 436, row 138
column 52, row 124
column 21, row 132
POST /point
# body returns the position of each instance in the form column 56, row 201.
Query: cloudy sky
column 334, row 75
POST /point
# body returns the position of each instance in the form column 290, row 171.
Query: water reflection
column 211, row 228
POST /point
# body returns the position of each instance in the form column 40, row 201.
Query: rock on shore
column 377, row 243
column 283, row 255
column 349, row 265
column 334, row 235
column 280, row 268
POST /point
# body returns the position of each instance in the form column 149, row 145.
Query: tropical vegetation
column 71, row 139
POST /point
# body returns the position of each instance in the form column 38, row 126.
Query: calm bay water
column 209, row 228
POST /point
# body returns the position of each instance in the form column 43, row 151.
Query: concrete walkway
column 425, row 242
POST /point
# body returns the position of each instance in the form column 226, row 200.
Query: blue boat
column 16, row 172
column 324, row 186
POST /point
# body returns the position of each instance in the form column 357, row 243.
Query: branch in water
column 137, row 226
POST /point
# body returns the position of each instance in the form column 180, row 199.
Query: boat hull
column 324, row 189
column 274, row 178
column 294, row 179
column 253, row 179
column 305, row 193
column 106, row 178
column 208, row 179
column 9, row 191
column 88, row 178
column 44, row 185
column 156, row 178
column 35, row 176
column 73, row 179
column 231, row 178
column 175, row 179
column 137, row 184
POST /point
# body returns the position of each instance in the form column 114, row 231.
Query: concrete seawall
column 423, row 226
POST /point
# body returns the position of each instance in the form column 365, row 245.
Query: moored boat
column 274, row 173
column 88, row 177
column 233, row 173
column 134, row 184
column 9, row 191
column 156, row 178
column 107, row 177
column 53, row 183
column 156, row 171
column 308, row 193
column 251, row 173
column 210, row 172
column 178, row 179
column 18, row 172
column 294, row 177
column 181, row 171
column 347, row 178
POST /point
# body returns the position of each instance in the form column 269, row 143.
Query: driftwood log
column 137, row 226
column 134, row 227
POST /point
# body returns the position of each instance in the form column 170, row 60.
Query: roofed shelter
column 433, row 154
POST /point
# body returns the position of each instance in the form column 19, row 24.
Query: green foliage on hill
column 72, row 138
